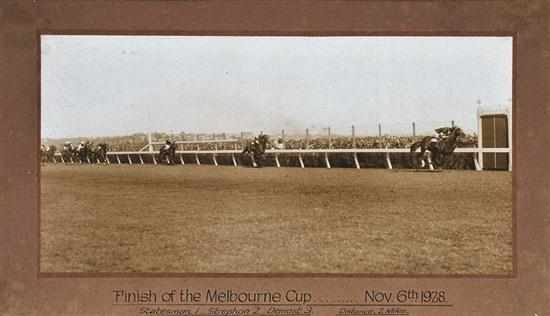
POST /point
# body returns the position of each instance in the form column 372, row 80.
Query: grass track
column 224, row 219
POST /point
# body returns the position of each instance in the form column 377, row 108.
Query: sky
column 120, row 85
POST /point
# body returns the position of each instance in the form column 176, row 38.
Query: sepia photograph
column 373, row 155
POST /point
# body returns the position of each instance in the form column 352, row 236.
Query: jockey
column 443, row 132
column 80, row 146
column 279, row 144
column 435, row 137
column 440, row 134
column 167, row 144
column 67, row 146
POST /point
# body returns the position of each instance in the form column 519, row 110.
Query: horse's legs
column 436, row 161
column 442, row 161
column 430, row 161
column 417, row 160
column 422, row 155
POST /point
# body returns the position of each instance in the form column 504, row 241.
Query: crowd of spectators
column 347, row 142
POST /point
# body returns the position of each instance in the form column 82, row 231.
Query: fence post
column 283, row 137
column 353, row 136
column 198, row 144
column 149, row 141
column 301, row 160
column 214, row 160
column 388, row 160
column 307, row 138
column 329, row 138
column 479, row 140
column 476, row 162
column 242, row 140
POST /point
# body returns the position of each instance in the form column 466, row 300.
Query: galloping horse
column 50, row 154
column 99, row 153
column 438, row 150
column 47, row 153
column 256, row 149
column 83, row 151
column 69, row 153
column 168, row 153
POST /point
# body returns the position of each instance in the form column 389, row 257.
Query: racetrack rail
column 476, row 152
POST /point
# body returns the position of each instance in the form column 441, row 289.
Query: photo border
column 23, row 290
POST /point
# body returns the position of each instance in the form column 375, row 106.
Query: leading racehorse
column 436, row 151
column 256, row 149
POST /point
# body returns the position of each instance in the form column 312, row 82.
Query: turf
column 147, row 218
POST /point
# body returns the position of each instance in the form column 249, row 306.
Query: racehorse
column 167, row 153
column 435, row 151
column 98, row 154
column 50, row 153
column 256, row 149
column 70, row 153
column 83, row 151
column 44, row 153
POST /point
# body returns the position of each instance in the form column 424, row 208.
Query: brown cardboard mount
column 25, row 291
